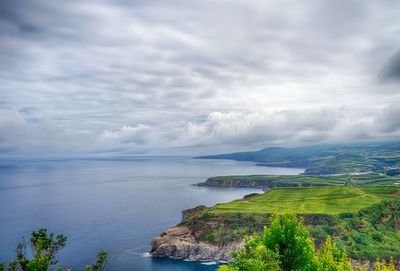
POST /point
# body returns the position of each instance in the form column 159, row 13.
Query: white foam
column 209, row 263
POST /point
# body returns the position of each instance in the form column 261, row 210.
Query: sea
column 117, row 205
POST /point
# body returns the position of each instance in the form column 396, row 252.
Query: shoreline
column 191, row 240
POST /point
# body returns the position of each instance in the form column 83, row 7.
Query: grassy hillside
column 300, row 180
column 325, row 159
column 311, row 200
column 363, row 220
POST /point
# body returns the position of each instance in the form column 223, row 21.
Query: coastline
column 211, row 234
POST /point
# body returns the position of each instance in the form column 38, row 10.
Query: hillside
column 310, row 200
column 364, row 220
column 271, row 181
column 325, row 159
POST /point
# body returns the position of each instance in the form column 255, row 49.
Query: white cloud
column 139, row 134
column 116, row 76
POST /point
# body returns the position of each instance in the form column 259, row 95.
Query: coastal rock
column 179, row 243
column 193, row 211
column 237, row 182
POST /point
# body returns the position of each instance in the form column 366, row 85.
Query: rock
column 179, row 243
column 193, row 211
column 251, row 195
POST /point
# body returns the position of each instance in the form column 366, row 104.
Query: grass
column 330, row 200
column 326, row 159
column 301, row 180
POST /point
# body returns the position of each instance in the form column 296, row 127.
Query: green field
column 327, row 159
column 300, row 180
column 311, row 200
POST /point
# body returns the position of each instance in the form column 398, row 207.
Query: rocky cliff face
column 238, row 182
column 186, row 214
column 179, row 243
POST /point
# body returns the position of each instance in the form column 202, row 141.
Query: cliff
column 371, row 233
column 182, row 242
column 179, row 243
column 267, row 182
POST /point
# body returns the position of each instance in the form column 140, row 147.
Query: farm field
column 311, row 200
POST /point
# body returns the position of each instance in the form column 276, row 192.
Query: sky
column 123, row 77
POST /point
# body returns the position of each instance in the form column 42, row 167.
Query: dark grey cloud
column 389, row 121
column 391, row 70
column 141, row 76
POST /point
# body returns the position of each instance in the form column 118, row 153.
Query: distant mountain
column 325, row 159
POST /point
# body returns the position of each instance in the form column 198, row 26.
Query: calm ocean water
column 116, row 205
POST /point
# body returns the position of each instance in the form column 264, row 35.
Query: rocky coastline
column 180, row 242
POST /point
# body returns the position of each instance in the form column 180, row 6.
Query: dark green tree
column 44, row 248
column 101, row 261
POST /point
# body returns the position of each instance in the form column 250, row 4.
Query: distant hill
column 326, row 159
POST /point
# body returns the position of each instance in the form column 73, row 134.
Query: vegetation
column 273, row 181
column 325, row 159
column 315, row 200
column 348, row 192
column 367, row 230
column 359, row 211
column 285, row 245
column 44, row 249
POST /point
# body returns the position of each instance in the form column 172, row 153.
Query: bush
column 382, row 266
column 331, row 258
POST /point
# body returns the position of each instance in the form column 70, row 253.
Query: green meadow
column 372, row 179
column 362, row 219
column 310, row 200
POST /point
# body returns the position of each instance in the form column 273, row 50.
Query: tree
column 44, row 249
column 285, row 245
column 331, row 258
column 254, row 256
column 101, row 261
column 288, row 237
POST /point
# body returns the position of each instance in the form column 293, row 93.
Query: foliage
column 393, row 172
column 302, row 180
column 371, row 233
column 101, row 261
column 326, row 159
column 331, row 258
column 255, row 256
column 382, row 266
column 290, row 240
column 285, row 245
column 44, row 248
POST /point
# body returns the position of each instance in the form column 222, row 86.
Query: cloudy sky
column 193, row 77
